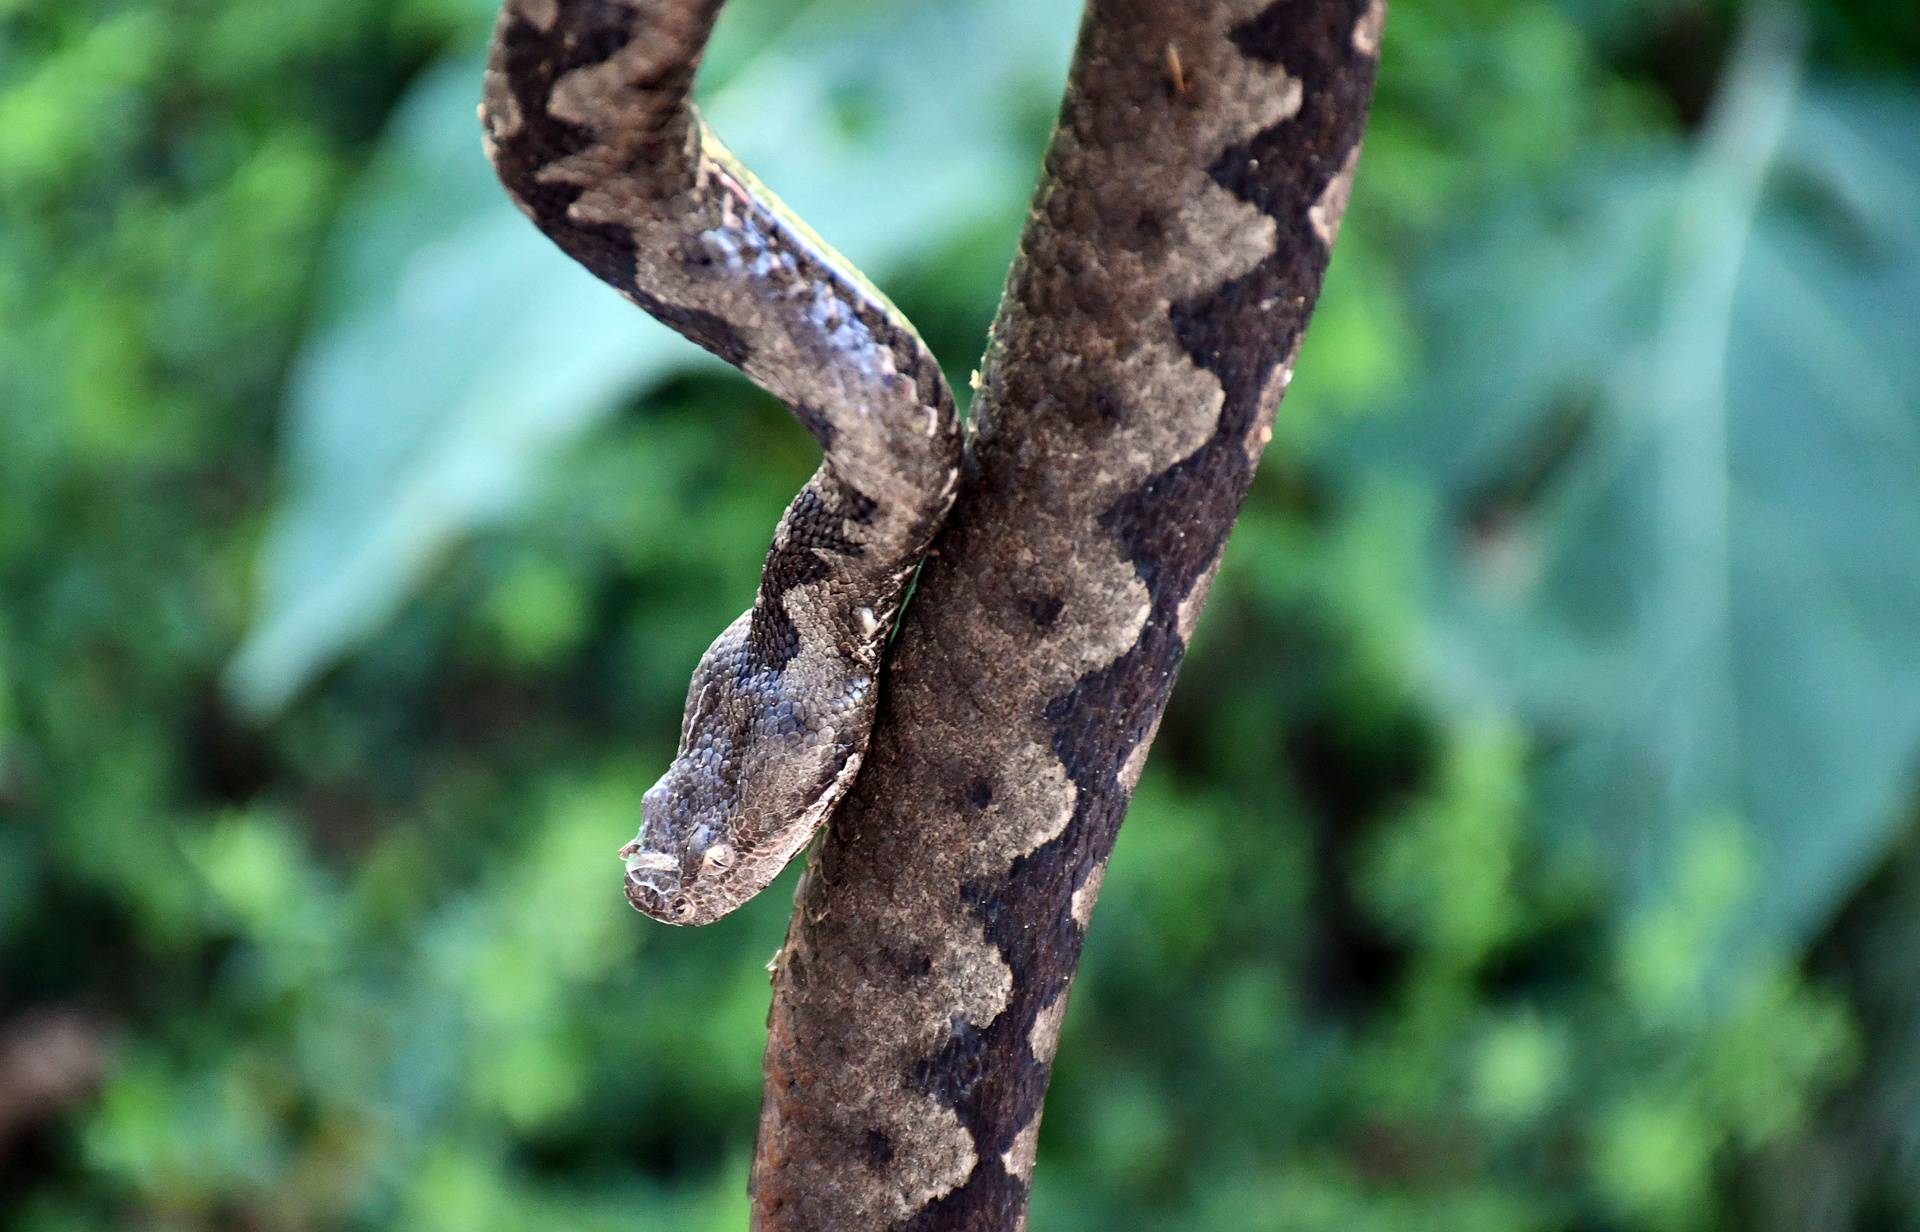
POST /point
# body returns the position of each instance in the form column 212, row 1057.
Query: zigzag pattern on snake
column 1185, row 252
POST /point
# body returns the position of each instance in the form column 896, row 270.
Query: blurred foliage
column 1529, row 845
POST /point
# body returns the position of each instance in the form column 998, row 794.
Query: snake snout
column 654, row 886
column 648, row 867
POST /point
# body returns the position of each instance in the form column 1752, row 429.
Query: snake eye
column 718, row 856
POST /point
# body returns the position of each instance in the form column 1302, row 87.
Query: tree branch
column 1177, row 243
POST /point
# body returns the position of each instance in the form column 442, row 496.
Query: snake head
column 765, row 754
column 678, row 869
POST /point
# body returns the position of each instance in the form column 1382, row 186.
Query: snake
column 589, row 122
column 1181, row 230
column 1184, row 220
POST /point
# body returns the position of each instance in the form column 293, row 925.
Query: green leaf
column 1673, row 426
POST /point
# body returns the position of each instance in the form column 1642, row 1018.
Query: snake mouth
column 655, row 886
column 667, row 903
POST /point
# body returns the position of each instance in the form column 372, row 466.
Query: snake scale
column 1185, row 218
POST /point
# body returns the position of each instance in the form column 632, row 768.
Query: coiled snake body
column 1186, row 214
column 590, row 126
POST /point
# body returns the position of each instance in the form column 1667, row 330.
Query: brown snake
column 1178, row 239
column 590, row 124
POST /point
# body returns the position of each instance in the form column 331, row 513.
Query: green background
column 1530, row 843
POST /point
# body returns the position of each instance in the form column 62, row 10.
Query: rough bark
column 1177, row 243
